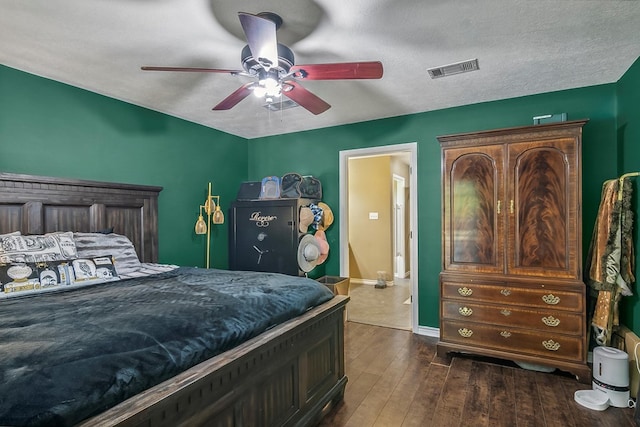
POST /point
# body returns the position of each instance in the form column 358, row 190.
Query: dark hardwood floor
column 396, row 379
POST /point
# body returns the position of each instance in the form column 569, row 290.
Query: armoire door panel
column 472, row 194
column 543, row 220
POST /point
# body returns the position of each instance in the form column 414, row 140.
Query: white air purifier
column 610, row 380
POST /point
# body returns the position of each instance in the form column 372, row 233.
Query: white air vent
column 451, row 69
column 285, row 104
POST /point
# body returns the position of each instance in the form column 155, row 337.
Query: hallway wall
column 370, row 239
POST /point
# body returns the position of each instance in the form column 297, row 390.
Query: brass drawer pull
column 505, row 334
column 550, row 321
column 465, row 292
column 505, row 312
column 505, row 292
column 551, row 345
column 551, row 299
column 465, row 311
column 465, row 332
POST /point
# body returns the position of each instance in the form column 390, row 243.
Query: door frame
column 399, row 240
column 386, row 150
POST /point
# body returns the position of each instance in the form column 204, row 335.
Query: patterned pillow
column 43, row 276
column 91, row 245
column 99, row 268
column 13, row 233
column 19, row 277
column 37, row 248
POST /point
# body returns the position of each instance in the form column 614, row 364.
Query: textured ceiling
column 523, row 47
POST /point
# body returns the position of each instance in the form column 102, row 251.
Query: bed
column 289, row 372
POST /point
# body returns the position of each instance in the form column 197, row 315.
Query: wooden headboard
column 39, row 204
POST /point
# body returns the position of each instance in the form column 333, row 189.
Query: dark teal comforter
column 68, row 355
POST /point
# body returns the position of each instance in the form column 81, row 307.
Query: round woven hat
column 308, row 253
column 306, row 219
column 327, row 216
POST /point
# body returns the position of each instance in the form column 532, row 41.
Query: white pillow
column 34, row 248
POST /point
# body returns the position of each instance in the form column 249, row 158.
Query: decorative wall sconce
column 214, row 214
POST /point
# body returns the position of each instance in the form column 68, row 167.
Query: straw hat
column 308, row 253
column 306, row 219
column 321, row 237
column 327, row 216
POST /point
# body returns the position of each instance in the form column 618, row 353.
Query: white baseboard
column 428, row 331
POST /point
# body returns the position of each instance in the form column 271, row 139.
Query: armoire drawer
column 552, row 321
column 519, row 295
column 514, row 340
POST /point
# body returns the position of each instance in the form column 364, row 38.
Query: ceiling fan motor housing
column 253, row 66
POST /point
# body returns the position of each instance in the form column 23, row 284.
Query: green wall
column 317, row 152
column 49, row 128
column 628, row 128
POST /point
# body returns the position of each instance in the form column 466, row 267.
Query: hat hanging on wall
column 321, row 238
column 306, row 219
column 308, row 253
column 327, row 216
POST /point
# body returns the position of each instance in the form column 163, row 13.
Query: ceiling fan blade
column 261, row 36
column 338, row 71
column 304, row 98
column 198, row 70
column 238, row 95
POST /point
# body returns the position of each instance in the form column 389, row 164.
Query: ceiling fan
column 273, row 66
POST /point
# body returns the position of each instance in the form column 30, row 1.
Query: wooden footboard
column 286, row 376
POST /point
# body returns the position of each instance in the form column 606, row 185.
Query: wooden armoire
column 511, row 282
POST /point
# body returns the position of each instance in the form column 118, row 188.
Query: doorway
column 378, row 219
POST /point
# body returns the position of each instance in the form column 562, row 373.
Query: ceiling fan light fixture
column 268, row 86
column 271, row 85
column 259, row 91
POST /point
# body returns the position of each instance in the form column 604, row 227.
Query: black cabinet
column 264, row 235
